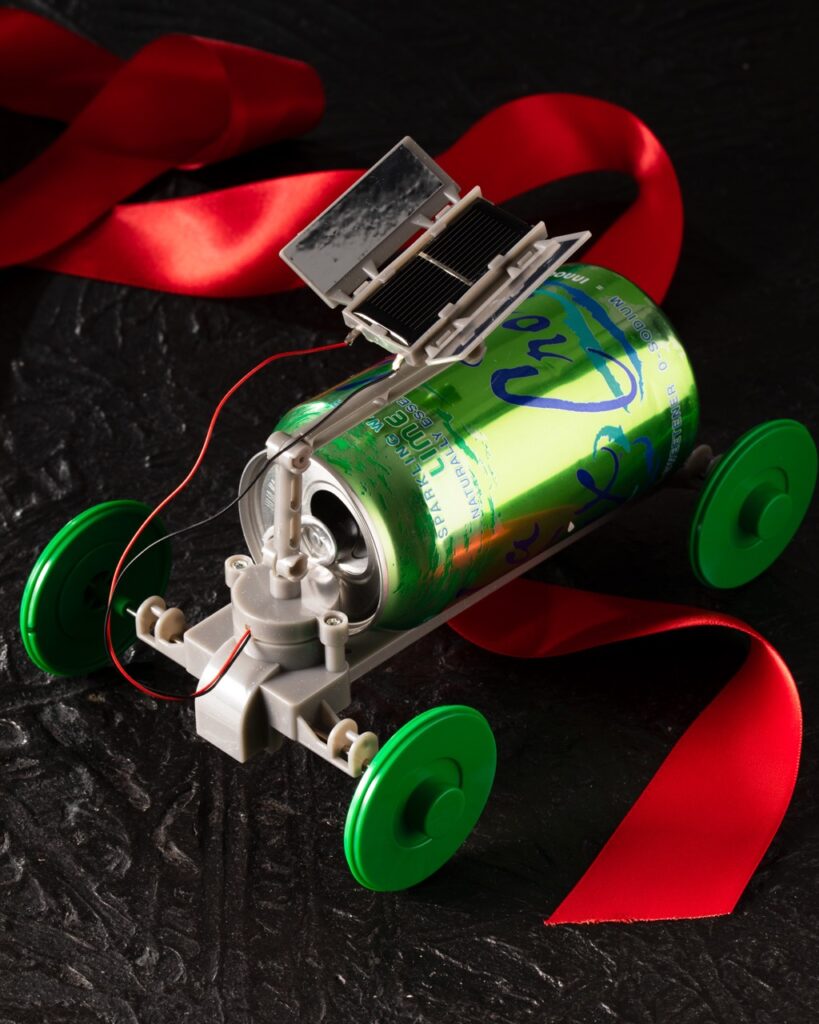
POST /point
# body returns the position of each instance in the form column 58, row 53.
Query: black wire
column 202, row 522
column 212, row 518
column 216, row 515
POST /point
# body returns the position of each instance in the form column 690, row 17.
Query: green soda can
column 583, row 400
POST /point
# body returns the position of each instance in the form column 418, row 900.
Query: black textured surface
column 146, row 877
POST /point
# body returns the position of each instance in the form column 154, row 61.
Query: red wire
column 166, row 501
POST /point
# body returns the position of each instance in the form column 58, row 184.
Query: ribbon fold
column 183, row 101
column 691, row 842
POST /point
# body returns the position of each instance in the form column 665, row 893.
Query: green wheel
column 420, row 798
column 63, row 609
column 753, row 503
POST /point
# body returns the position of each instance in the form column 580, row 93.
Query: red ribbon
column 188, row 101
column 694, row 837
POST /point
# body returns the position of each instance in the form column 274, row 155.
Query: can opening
column 335, row 532
column 351, row 547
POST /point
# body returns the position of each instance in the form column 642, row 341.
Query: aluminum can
column 583, row 400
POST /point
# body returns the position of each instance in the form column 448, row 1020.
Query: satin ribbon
column 690, row 843
column 188, row 101
column 693, row 838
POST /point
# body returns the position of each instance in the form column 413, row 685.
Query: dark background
column 146, row 877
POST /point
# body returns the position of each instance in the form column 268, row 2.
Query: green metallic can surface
column 583, row 400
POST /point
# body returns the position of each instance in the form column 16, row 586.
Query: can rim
column 318, row 476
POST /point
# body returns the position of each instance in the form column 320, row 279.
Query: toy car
column 525, row 400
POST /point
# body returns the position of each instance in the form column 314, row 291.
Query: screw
column 240, row 563
column 333, row 620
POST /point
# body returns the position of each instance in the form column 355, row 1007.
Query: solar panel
column 482, row 232
column 409, row 303
column 421, row 270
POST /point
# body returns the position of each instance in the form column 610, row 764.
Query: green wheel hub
column 420, row 798
column 753, row 503
column 63, row 609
